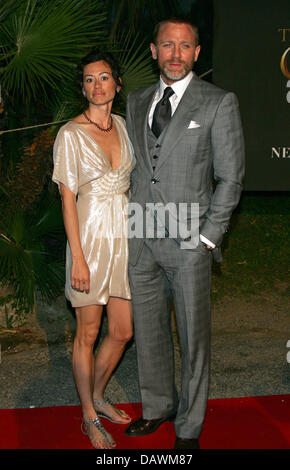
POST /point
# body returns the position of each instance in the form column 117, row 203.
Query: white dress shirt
column 179, row 88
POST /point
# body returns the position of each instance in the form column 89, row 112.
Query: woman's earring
column 84, row 93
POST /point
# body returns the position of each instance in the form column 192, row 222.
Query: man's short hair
column 176, row 20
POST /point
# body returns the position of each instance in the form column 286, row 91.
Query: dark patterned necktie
column 162, row 113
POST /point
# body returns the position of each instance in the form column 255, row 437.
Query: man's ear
column 196, row 54
column 153, row 50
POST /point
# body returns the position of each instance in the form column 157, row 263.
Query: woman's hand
column 80, row 275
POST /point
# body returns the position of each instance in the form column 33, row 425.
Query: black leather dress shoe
column 141, row 426
column 186, row 443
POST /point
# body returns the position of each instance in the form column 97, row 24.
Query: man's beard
column 176, row 75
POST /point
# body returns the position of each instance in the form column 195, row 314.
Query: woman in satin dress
column 93, row 158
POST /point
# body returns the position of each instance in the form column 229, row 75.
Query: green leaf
column 43, row 40
column 25, row 263
column 136, row 63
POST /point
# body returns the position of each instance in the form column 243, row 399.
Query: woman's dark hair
column 96, row 55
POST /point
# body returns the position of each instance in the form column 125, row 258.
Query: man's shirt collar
column 179, row 86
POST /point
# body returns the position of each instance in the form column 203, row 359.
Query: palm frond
column 16, row 272
column 135, row 61
column 26, row 265
column 6, row 8
column 43, row 40
column 50, row 277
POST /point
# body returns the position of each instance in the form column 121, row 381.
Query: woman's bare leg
column 120, row 331
column 88, row 323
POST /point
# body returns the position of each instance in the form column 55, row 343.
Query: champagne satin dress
column 102, row 198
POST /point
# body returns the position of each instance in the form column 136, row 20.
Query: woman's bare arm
column 80, row 274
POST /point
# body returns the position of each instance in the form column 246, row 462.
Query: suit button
column 155, row 156
column 154, row 181
column 153, row 168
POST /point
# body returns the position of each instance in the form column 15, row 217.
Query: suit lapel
column 190, row 101
column 141, row 119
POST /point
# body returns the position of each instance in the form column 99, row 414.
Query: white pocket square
column 193, row 124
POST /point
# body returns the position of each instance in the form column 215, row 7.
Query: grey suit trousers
column 164, row 272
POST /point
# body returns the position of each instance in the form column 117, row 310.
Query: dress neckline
column 99, row 147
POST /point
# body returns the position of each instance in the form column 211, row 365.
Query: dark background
column 247, row 49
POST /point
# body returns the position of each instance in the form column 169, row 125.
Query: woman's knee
column 120, row 327
column 122, row 335
column 88, row 324
column 86, row 335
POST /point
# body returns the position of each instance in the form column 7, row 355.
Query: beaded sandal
column 102, row 414
column 105, row 442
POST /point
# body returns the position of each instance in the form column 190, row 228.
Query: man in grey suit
column 186, row 133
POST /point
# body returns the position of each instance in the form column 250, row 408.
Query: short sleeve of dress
column 65, row 158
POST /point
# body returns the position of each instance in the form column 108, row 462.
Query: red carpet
column 236, row 423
